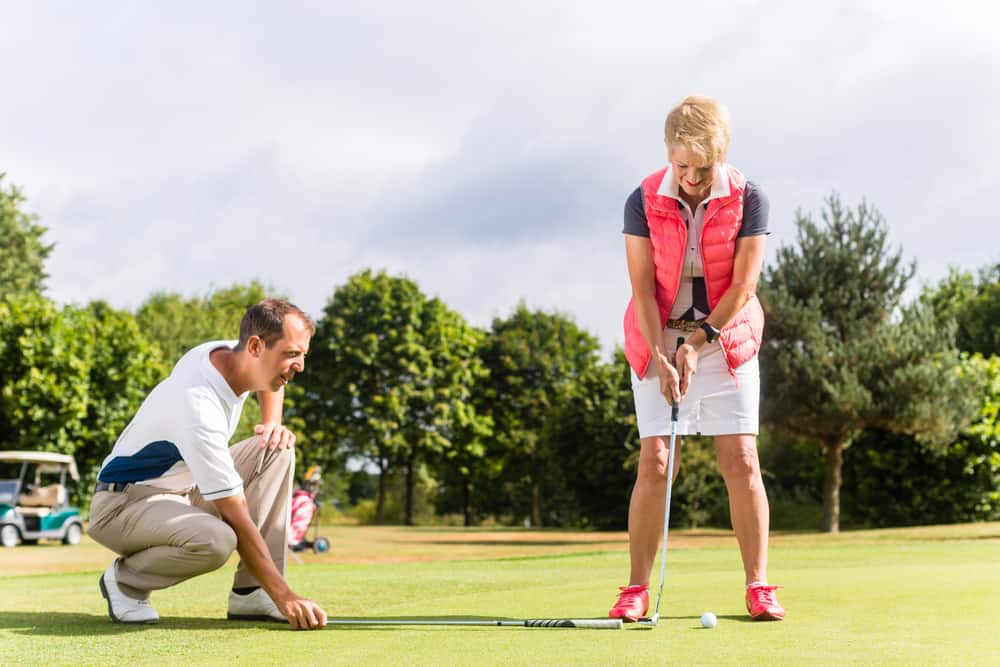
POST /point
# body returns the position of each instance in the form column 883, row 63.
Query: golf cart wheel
column 72, row 534
column 9, row 536
column 321, row 545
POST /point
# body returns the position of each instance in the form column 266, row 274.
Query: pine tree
column 841, row 355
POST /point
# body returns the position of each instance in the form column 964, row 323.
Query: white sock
column 756, row 583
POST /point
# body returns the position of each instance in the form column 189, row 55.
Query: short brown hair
column 701, row 125
column 266, row 320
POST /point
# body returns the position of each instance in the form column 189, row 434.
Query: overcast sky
column 483, row 149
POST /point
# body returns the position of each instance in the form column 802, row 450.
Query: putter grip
column 675, row 408
column 591, row 623
column 596, row 623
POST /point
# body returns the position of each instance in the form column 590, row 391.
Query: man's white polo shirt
column 180, row 436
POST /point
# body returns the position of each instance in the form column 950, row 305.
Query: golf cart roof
column 43, row 457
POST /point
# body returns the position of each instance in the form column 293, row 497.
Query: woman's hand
column 669, row 379
column 687, row 364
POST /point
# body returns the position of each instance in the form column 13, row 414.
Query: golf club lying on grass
column 654, row 620
column 585, row 623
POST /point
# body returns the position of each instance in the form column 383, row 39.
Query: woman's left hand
column 686, row 362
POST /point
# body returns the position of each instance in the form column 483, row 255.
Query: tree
column 179, row 323
column 124, row 366
column 22, row 252
column 972, row 304
column 445, row 423
column 533, row 358
column 841, row 356
column 44, row 374
column 70, row 378
column 896, row 481
column 390, row 377
column 459, row 419
column 594, row 437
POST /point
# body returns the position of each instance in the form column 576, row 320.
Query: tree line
column 874, row 409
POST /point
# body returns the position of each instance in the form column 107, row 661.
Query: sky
column 484, row 150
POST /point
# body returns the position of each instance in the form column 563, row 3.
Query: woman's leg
column 748, row 508
column 645, row 511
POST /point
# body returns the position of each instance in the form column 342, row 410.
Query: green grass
column 914, row 598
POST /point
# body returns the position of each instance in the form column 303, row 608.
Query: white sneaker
column 122, row 608
column 256, row 606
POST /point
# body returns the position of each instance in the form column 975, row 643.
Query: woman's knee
column 738, row 459
column 653, row 461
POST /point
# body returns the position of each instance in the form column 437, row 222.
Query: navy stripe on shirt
column 149, row 462
column 756, row 208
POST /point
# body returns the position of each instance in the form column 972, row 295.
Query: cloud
column 484, row 150
column 505, row 184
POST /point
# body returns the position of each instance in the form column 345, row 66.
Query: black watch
column 711, row 333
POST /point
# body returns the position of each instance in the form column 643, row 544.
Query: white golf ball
column 708, row 620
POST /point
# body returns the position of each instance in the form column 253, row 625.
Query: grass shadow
column 66, row 624
column 695, row 621
column 739, row 618
column 517, row 543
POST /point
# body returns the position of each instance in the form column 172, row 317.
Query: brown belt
column 113, row 487
column 687, row 326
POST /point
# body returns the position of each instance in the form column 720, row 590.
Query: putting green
column 927, row 596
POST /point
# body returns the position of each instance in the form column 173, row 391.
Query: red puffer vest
column 740, row 338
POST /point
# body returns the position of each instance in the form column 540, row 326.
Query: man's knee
column 213, row 546
column 287, row 455
column 280, row 460
column 283, row 458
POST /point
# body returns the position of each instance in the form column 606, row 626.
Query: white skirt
column 715, row 403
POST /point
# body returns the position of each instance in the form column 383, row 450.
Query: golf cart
column 33, row 501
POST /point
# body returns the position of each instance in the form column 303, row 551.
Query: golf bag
column 305, row 512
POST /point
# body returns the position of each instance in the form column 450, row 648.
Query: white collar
column 720, row 185
column 216, row 379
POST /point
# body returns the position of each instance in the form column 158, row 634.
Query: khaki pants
column 166, row 537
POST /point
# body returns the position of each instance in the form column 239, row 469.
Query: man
column 174, row 500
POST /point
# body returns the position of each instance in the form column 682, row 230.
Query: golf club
column 654, row 620
column 585, row 623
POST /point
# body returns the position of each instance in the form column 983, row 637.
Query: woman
column 694, row 242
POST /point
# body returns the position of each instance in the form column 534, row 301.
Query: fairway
column 904, row 596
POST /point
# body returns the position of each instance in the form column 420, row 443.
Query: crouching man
column 174, row 500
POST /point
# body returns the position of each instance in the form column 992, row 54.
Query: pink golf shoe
column 763, row 605
column 632, row 604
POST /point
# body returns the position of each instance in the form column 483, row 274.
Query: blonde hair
column 702, row 126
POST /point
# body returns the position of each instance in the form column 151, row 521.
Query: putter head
column 649, row 622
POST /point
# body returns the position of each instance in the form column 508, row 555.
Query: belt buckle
column 686, row 326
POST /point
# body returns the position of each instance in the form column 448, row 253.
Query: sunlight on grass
column 855, row 598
